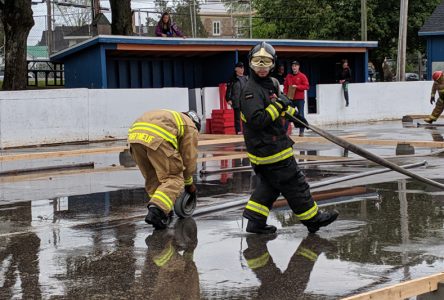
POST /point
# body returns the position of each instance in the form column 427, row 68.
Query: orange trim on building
column 222, row 48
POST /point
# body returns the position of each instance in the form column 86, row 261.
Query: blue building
column 144, row 62
column 433, row 31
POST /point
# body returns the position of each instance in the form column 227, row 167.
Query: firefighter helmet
column 195, row 118
column 262, row 55
column 437, row 75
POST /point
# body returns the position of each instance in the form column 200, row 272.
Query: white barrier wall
column 43, row 117
column 371, row 102
column 111, row 112
column 210, row 100
column 69, row 115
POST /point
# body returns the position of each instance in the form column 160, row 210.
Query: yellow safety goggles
column 260, row 61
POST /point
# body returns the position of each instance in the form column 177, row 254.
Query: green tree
column 182, row 17
column 340, row 20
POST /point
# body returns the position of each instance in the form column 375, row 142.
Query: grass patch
column 40, row 85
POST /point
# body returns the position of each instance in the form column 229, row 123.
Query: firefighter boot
column 320, row 220
column 157, row 217
column 257, row 251
column 260, row 227
column 437, row 111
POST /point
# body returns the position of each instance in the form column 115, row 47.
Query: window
column 216, row 27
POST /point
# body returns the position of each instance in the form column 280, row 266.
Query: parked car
column 411, row 77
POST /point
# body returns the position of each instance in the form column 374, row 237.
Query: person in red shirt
column 300, row 82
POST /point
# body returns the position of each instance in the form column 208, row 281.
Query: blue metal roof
column 112, row 40
column 430, row 33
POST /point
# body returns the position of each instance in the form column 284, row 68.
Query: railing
column 44, row 73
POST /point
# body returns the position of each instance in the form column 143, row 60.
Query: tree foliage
column 183, row 18
column 341, row 20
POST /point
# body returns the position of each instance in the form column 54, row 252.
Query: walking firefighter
column 438, row 86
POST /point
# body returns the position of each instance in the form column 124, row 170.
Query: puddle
column 97, row 246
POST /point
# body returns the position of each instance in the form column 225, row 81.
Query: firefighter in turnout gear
column 438, row 86
column 270, row 149
column 164, row 145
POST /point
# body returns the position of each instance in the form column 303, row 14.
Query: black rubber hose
column 364, row 153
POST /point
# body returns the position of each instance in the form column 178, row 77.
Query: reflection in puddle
column 97, row 246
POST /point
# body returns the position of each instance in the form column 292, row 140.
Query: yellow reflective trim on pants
column 164, row 257
column 242, row 116
column 284, row 154
column 258, row 262
column 179, row 121
column 164, row 198
column 307, row 253
column 272, row 111
column 156, row 130
column 259, row 208
column 309, row 213
column 188, row 181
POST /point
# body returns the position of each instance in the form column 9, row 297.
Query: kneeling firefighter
column 270, row 149
column 164, row 145
column 438, row 86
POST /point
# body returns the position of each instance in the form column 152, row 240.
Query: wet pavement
column 81, row 235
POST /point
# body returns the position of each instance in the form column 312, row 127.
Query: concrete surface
column 81, row 235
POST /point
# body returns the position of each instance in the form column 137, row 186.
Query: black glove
column 299, row 125
column 432, row 100
column 284, row 101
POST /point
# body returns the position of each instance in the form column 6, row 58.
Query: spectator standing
column 344, row 78
column 371, row 71
column 388, row 74
column 233, row 93
column 280, row 73
column 300, row 83
column 167, row 28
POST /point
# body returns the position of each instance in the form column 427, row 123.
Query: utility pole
column 251, row 22
column 363, row 20
column 402, row 40
column 95, row 9
column 191, row 21
column 195, row 18
column 49, row 26
column 140, row 22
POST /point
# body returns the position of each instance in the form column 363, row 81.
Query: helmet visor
column 260, row 61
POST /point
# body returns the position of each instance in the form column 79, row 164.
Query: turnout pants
column 163, row 174
column 282, row 177
column 439, row 107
